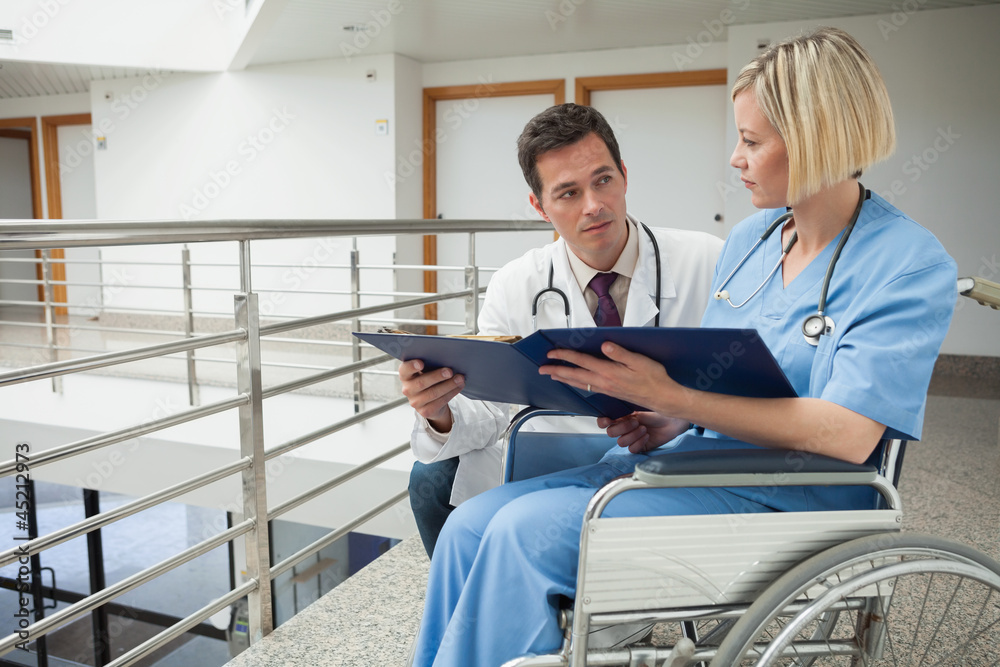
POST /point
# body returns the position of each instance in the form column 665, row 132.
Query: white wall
column 284, row 142
column 940, row 68
column 76, row 176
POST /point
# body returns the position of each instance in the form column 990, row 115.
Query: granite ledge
column 369, row 619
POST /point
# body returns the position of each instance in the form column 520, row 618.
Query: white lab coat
column 687, row 268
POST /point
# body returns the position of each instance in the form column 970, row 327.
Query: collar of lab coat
column 642, row 306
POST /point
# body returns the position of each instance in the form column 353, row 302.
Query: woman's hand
column 626, row 375
column 643, row 431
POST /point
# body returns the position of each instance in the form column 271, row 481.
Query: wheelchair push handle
column 986, row 292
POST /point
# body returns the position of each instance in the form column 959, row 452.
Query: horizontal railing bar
column 113, row 437
column 33, row 235
column 333, row 428
column 261, row 265
column 91, row 602
column 116, row 309
column 83, row 327
column 179, row 628
column 330, row 538
column 40, row 544
column 114, row 358
column 22, row 281
column 357, row 312
column 310, row 341
column 403, row 320
column 332, row 292
column 81, row 260
column 11, row 302
column 66, row 348
column 119, row 285
column 323, row 377
column 319, row 490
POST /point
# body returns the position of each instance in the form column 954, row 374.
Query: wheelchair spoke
column 912, row 605
column 938, row 628
column 965, row 648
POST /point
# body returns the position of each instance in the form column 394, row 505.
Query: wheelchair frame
column 810, row 567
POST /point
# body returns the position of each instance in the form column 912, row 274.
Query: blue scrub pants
column 430, row 498
column 506, row 556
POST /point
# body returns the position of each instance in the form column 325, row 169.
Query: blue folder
column 725, row 361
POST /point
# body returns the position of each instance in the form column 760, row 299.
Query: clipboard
column 725, row 361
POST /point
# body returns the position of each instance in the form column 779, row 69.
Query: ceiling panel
column 455, row 30
column 451, row 30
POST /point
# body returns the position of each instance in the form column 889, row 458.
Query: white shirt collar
column 625, row 266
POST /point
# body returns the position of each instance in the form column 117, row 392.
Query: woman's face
column 760, row 155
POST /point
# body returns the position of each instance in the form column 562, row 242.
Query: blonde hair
column 825, row 97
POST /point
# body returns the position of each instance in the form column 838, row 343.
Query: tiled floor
column 950, row 488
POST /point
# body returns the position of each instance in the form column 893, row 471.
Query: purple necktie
column 607, row 312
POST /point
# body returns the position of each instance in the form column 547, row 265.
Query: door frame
column 53, row 194
column 585, row 85
column 14, row 128
column 555, row 87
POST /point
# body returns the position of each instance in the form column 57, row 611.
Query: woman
column 812, row 113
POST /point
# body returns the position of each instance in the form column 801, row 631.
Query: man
column 571, row 160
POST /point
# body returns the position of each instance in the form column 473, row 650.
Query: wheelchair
column 784, row 588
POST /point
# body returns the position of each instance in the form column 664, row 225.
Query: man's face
column 583, row 196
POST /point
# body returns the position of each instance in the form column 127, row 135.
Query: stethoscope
column 819, row 323
column 565, row 299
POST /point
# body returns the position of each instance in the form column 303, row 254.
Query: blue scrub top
column 891, row 297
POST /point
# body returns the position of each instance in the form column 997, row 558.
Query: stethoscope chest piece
column 817, row 325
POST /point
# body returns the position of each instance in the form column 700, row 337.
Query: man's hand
column 430, row 392
column 642, row 431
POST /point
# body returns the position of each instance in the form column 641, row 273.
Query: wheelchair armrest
column 743, row 467
column 507, row 441
column 751, row 467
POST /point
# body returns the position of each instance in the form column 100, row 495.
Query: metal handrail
column 320, row 489
column 40, row 544
column 310, row 380
column 358, row 312
column 291, row 445
column 34, row 235
column 250, row 394
column 91, row 602
column 113, row 358
column 182, row 626
column 63, row 452
column 330, row 538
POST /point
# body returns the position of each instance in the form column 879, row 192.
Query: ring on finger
column 588, row 387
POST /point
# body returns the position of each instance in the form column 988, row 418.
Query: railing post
column 472, row 283
column 359, row 399
column 194, row 394
column 252, row 445
column 49, row 307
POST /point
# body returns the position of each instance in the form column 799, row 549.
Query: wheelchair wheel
column 895, row 599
